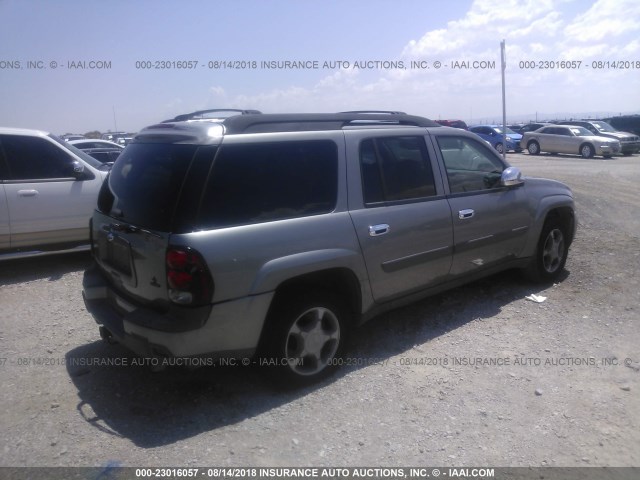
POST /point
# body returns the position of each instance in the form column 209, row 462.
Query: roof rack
column 376, row 111
column 291, row 122
column 200, row 113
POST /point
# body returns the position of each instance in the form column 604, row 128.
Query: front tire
column 551, row 253
column 500, row 148
column 587, row 151
column 533, row 148
column 308, row 336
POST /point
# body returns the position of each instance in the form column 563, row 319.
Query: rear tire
column 308, row 335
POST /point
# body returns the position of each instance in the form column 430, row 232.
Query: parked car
column 531, row 127
column 272, row 236
column 112, row 136
column 453, row 123
column 106, row 156
column 569, row 139
column 515, row 127
column 102, row 150
column 494, row 135
column 626, row 123
column 48, row 189
column 90, row 143
column 72, row 136
column 629, row 143
column 120, row 138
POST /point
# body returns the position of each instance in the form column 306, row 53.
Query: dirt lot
column 477, row 376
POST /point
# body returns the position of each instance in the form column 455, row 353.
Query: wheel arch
column 566, row 216
column 341, row 282
column 552, row 208
column 552, row 245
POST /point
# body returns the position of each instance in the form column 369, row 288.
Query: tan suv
column 271, row 236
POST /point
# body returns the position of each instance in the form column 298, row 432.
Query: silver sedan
column 569, row 139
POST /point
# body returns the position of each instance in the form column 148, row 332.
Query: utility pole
column 503, row 59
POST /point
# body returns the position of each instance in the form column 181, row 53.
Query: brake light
column 188, row 277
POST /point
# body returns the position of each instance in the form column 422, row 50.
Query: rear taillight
column 188, row 277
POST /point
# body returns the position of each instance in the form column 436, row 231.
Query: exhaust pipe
column 107, row 336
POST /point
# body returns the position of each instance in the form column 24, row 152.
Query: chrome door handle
column 466, row 213
column 380, row 229
column 27, row 193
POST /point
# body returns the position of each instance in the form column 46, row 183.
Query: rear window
column 261, row 182
column 144, row 184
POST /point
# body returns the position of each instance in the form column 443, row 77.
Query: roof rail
column 291, row 122
column 190, row 116
column 376, row 111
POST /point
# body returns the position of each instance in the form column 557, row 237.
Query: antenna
column 115, row 124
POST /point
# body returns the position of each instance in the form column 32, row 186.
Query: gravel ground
column 476, row 376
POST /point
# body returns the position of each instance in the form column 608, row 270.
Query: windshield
column 87, row 158
column 509, row 131
column 581, row 132
column 604, row 127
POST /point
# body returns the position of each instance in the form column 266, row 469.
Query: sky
column 70, row 66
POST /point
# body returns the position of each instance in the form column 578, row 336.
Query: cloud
column 488, row 21
column 605, row 19
column 535, row 30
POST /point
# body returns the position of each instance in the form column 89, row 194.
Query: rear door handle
column 27, row 193
column 380, row 229
column 466, row 213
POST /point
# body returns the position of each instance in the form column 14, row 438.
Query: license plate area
column 115, row 252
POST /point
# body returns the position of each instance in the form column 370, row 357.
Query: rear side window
column 395, row 168
column 262, row 182
column 145, row 182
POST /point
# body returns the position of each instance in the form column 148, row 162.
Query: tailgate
column 133, row 259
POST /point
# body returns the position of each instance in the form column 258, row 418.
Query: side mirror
column 511, row 177
column 78, row 170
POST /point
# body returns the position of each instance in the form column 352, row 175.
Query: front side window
column 470, row 166
column 262, row 182
column 395, row 168
column 33, row 158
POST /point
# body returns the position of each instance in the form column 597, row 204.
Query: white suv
column 48, row 190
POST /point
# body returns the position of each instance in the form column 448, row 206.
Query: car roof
column 95, row 140
column 23, row 131
column 104, row 149
column 203, row 130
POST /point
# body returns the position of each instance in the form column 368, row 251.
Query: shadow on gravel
column 51, row 267
column 156, row 409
